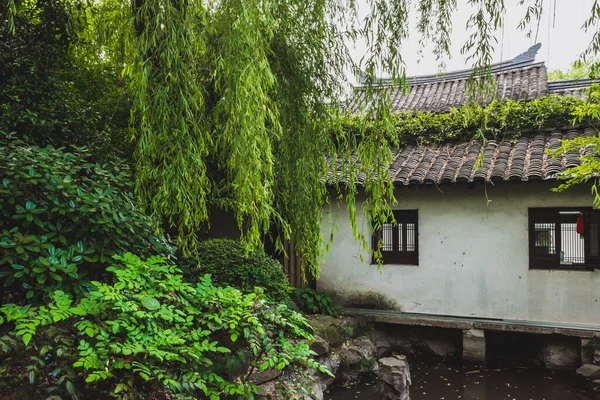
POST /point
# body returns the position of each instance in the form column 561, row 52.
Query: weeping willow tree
column 237, row 102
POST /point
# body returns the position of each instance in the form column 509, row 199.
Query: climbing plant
column 587, row 171
column 475, row 121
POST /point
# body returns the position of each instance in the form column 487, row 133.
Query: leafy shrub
column 228, row 264
column 152, row 335
column 313, row 302
column 61, row 219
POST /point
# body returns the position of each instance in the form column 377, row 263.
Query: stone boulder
column 358, row 357
column 559, row 353
column 394, row 378
column 328, row 328
column 320, row 346
column 260, row 377
column 267, row 391
column 316, row 392
column 388, row 341
column 335, row 330
column 332, row 363
column 440, row 348
column 589, row 371
column 597, row 356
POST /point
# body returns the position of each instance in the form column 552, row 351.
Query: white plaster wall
column 473, row 258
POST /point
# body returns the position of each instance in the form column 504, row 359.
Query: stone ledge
column 399, row 318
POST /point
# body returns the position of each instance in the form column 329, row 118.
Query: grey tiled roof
column 507, row 159
column 440, row 93
column 522, row 159
column 571, row 87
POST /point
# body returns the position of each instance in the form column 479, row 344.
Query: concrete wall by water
column 473, row 258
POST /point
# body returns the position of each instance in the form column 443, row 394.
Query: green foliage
column 52, row 92
column 152, row 335
column 229, row 265
column 62, row 218
column 579, row 69
column 231, row 99
column 472, row 120
column 589, row 148
column 313, row 302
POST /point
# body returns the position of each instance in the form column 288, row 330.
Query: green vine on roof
column 475, row 121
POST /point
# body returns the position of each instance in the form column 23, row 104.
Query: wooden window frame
column 551, row 215
column 397, row 256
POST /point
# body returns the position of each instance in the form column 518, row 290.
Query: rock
column 267, row 391
column 383, row 344
column 364, row 347
column 388, row 341
column 316, row 392
column 394, row 378
column 357, row 358
column 357, row 351
column 440, row 348
column 260, row 377
column 328, row 328
column 559, row 353
column 350, row 357
column 332, row 363
column 352, row 326
column 587, row 351
column 589, row 371
column 320, row 346
column 336, row 330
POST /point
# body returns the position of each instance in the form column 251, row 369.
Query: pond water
column 440, row 381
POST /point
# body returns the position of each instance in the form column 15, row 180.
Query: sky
column 560, row 34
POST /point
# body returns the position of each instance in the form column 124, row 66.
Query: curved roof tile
column 507, row 159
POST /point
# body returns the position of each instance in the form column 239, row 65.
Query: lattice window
column 564, row 238
column 399, row 241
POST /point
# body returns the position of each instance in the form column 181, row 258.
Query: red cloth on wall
column 580, row 225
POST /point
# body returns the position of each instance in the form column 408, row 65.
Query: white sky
column 562, row 37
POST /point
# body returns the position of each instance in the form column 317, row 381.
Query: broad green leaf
column 150, row 303
column 27, row 338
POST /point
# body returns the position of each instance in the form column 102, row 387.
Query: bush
column 312, row 302
column 151, row 335
column 61, row 220
column 227, row 263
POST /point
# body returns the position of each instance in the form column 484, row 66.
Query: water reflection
column 446, row 382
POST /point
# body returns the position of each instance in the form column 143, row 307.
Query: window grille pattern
column 573, row 249
column 398, row 242
column 411, row 240
column 388, row 231
column 565, row 238
column 544, row 238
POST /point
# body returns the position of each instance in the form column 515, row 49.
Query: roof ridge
column 495, row 69
column 525, row 59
